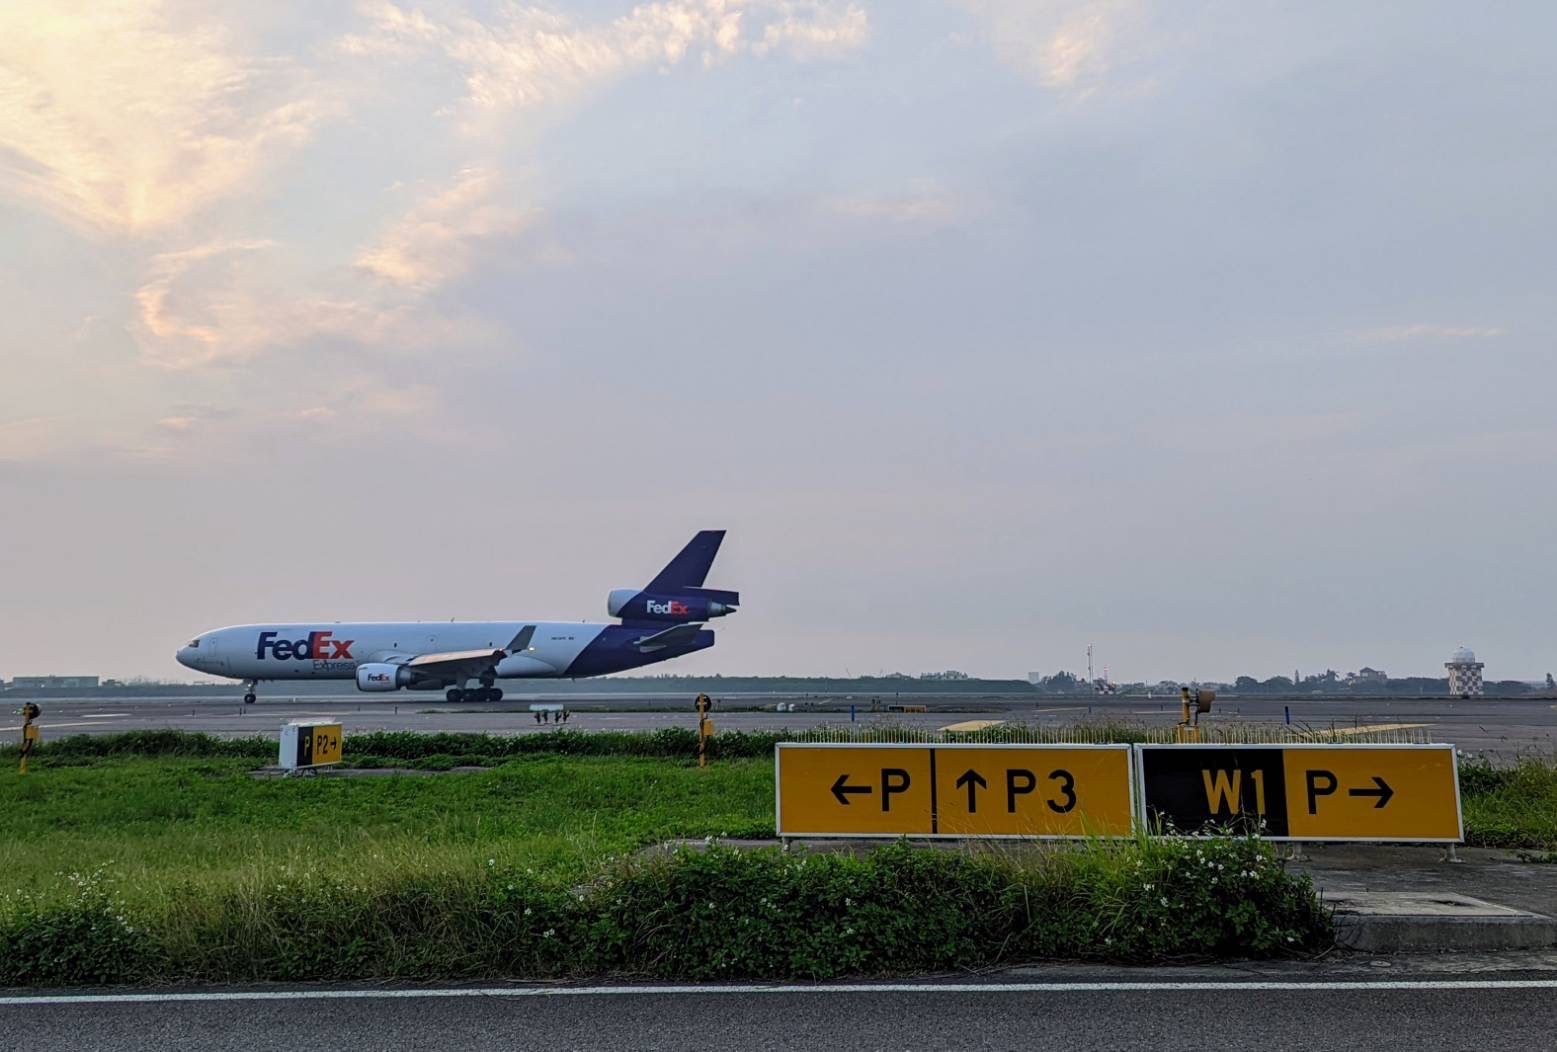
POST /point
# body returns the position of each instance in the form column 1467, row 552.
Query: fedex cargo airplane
column 660, row 621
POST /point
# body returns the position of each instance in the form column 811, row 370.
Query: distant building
column 53, row 682
column 1464, row 674
column 1371, row 676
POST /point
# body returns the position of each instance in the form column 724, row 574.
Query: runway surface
column 1143, row 1009
column 1496, row 726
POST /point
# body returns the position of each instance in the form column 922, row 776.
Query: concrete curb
column 1413, row 921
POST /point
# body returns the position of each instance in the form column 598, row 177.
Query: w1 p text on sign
column 1406, row 793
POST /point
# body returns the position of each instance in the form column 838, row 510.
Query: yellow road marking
column 972, row 725
column 1370, row 728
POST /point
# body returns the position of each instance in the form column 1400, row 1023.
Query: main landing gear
column 250, row 697
column 456, row 696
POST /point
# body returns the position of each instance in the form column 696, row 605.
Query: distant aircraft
column 660, row 621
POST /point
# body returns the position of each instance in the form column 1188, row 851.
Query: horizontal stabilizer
column 714, row 595
column 673, row 636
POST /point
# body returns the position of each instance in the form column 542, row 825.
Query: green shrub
column 86, row 938
column 691, row 915
column 1513, row 807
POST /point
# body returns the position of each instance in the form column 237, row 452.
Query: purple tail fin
column 690, row 566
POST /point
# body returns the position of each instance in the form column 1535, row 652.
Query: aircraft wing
column 448, row 662
column 668, row 638
column 470, row 662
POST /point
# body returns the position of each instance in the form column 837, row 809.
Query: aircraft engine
column 690, row 604
column 379, row 676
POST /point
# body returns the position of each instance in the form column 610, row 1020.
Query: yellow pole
column 702, row 702
column 30, row 711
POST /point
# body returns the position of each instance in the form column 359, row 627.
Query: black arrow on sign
column 839, row 788
column 974, row 781
column 1383, row 792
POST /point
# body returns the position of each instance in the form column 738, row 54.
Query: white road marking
column 757, row 988
column 103, row 715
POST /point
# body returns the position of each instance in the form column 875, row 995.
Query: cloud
column 435, row 240
column 813, row 31
column 189, row 416
column 121, row 115
column 1424, row 333
column 1074, row 47
column 923, row 204
column 225, row 302
column 524, row 57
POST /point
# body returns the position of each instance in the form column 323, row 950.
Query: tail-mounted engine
column 686, row 604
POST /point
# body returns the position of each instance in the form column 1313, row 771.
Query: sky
column 1219, row 335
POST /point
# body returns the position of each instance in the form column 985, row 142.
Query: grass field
column 1513, row 807
column 188, row 869
column 178, row 821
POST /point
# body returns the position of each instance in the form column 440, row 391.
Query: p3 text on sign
column 1308, row 792
column 953, row 790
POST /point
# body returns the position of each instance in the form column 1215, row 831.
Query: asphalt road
column 1272, row 1016
column 1505, row 727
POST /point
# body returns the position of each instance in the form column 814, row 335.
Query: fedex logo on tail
column 670, row 606
column 317, row 646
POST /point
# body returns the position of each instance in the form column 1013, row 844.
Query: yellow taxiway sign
column 953, row 790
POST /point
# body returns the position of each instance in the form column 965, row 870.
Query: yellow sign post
column 705, row 727
column 953, row 790
column 1407, row 793
column 30, row 733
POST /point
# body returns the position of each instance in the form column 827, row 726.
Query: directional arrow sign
column 1311, row 792
column 853, row 790
column 1033, row 790
column 1383, row 792
column 841, row 789
column 974, row 781
column 953, row 790
column 1402, row 792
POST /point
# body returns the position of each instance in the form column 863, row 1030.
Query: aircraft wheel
column 455, row 696
column 248, row 699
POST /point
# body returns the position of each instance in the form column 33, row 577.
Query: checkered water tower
column 1464, row 674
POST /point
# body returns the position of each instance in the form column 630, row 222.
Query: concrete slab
column 1414, row 921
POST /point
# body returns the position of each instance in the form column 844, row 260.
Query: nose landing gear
column 250, row 697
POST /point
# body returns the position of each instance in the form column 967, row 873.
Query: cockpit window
column 195, row 642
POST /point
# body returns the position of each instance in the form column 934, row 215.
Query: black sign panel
column 1190, row 790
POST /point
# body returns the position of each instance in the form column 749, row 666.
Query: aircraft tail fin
column 690, row 566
